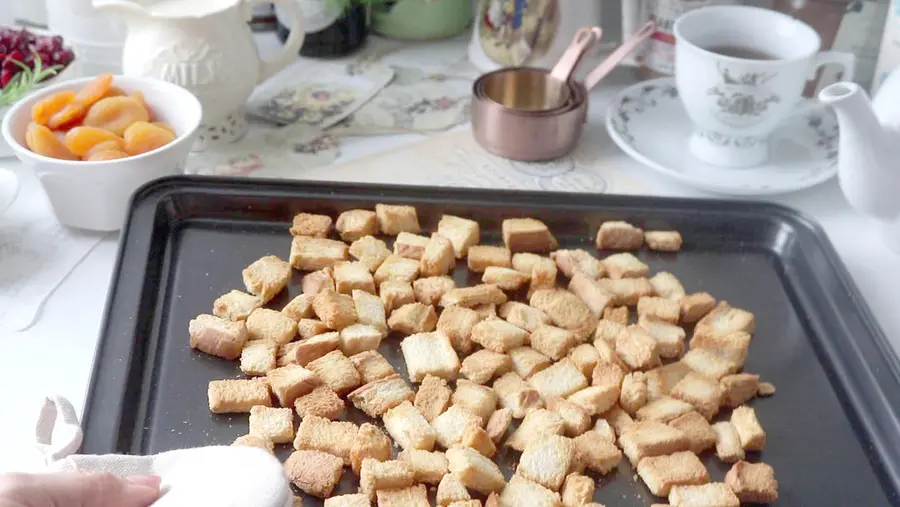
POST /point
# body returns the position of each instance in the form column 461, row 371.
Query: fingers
column 78, row 490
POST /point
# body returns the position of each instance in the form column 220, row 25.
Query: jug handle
column 291, row 50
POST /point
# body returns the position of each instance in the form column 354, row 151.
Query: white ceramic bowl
column 95, row 195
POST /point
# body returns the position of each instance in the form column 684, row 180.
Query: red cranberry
column 5, row 77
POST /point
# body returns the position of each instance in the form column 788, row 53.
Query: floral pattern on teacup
column 742, row 98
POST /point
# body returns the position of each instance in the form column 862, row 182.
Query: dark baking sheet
column 833, row 434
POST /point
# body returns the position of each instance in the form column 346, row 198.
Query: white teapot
column 207, row 47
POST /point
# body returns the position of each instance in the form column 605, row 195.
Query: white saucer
column 9, row 187
column 649, row 123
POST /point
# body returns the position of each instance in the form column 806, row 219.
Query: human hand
column 75, row 489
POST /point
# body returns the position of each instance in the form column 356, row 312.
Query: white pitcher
column 207, row 47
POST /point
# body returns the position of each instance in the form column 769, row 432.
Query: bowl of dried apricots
column 92, row 142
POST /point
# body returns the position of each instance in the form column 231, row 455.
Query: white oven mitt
column 218, row 476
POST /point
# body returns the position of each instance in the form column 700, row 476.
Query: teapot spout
column 124, row 8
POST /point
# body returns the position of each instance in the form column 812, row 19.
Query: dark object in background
column 263, row 19
column 330, row 33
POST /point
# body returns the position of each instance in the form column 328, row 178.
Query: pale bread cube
column 575, row 418
column 594, row 452
column 451, row 490
column 356, row 223
column 480, row 257
column 702, row 392
column 738, row 389
column 728, row 442
column 351, row 500
column 650, row 438
column 657, row 308
column 336, row 311
column 254, row 441
column 618, row 314
column 522, row 315
column 723, row 320
column 321, row 402
column 715, row 494
column 537, row 423
column 527, row 361
column 299, row 308
column 474, row 470
column 236, row 305
column 696, row 306
column 413, row 496
column 498, row 335
column 350, row 276
column 408, row 427
column 665, row 285
column 450, row 426
column 429, row 354
column 572, row 261
column 311, row 254
column 516, row 395
column 578, row 490
column 605, row 430
column 661, row 473
column 627, row 291
column 498, row 424
column 608, row 330
column 258, row 357
column 478, row 438
column 589, row 290
column 467, row 503
column 608, row 375
column 669, row 337
column 486, row 311
column 483, row 365
column 663, row 409
column 731, row 347
column 470, row 297
column 394, row 219
column 275, row 424
column 370, row 310
column 619, row 235
column 378, row 475
column 585, row 357
column 753, row 436
column 660, row 381
column 521, row 491
column 607, row 353
column 320, row 434
column 619, row 419
column 456, row 322
column 438, row 257
column 633, row 395
column 505, row 278
column 287, row 354
column 370, row 442
column 430, row 290
column 433, row 397
column 462, row 233
column 413, row 318
column 217, row 336
column 709, row 363
column 357, row 338
column 398, row 269
column 266, row 277
column 542, row 270
column 313, row 348
column 753, row 482
column 308, row 224
column 492, row 500
column 310, row 328
column 395, row 293
column 663, row 241
column 370, row 251
column 552, row 341
column 317, row 281
column 527, row 235
column 478, row 399
column 237, row 396
column 427, row 467
column 411, row 246
column 376, row 398
column 270, row 325
column 624, row 265
column 697, row 429
column 291, row 382
column 559, row 379
column 336, row 372
column 314, row 472
column 566, row 310
column 595, row 399
column 637, row 348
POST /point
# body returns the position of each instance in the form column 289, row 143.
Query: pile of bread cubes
column 588, row 381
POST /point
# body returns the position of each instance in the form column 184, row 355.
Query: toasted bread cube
column 413, row 496
column 728, row 442
column 559, row 379
column 286, row 354
column 394, row 219
column 396, row 293
column 595, row 399
column 618, row 314
column 217, row 336
column 608, row 375
column 589, row 290
column 575, row 418
column 715, row 494
column 313, row 348
column 572, row 261
column 430, row 290
column 541, row 269
column 408, row 427
column 697, row 430
column 378, row 475
column 498, row 335
column 577, row 490
column 470, row 297
column 738, row 389
column 266, row 277
column 753, row 436
column 663, row 409
column 552, row 341
column 605, row 430
column 450, row 426
column 321, row 402
column 376, row 398
column 370, row 251
column 462, row 233
column 351, row 500
column 336, row 311
column 651, row 438
column 516, row 395
column 486, row 311
column 537, row 423
column 413, row 318
column 585, row 357
column 660, row 473
column 724, row 319
column 350, row 276
column 566, row 310
column 527, row 235
column 370, row 310
column 627, row 291
column 236, row 305
column 317, row 281
column 624, row 265
column 398, row 269
column 527, row 361
column 696, row 306
column 456, row 322
column 438, row 257
column 731, row 346
column 467, row 503
column 498, row 424
column 370, row 442
column 291, row 382
column 619, row 419
column 254, row 441
column 310, row 254
column 480, row 257
column 433, row 397
column 608, row 330
column 478, row 399
column 269, row 325
column 320, row 434
column 308, row 224
column 753, row 482
column 669, row 336
column 707, row 362
column 336, row 372
column 633, row 395
column 451, row 490
column 665, row 285
column 702, row 392
column 474, row 470
column 357, row 338
column 237, row 396
column 607, row 353
column 427, row 466
column 299, row 308
column 477, row 438
column 654, row 308
column 522, row 315
column 660, row 381
column 429, row 354
column 619, row 236
column 484, row 365
column 637, row 348
column 356, row 223
column 275, row 424
column 593, row 451
column 492, row 500
column 505, row 278
column 411, row 246
column 663, row 241
column 313, row 472
column 522, row 491
column 311, row 328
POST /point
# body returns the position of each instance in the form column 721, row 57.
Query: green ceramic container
column 422, row 19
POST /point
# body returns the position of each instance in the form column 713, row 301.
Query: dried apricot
column 115, row 114
column 166, row 126
column 106, row 155
column 43, row 141
column 49, row 106
column 81, row 140
column 114, row 91
column 95, row 90
column 67, row 117
column 117, row 144
column 142, row 137
column 138, row 96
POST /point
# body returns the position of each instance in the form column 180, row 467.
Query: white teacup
column 740, row 72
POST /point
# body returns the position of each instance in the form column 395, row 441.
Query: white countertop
column 55, row 355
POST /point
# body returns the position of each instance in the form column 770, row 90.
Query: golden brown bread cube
column 408, row 427
column 433, row 397
column 696, row 306
column 313, row 348
column 661, row 380
column 370, row 251
column 266, row 277
column 702, row 392
column 314, row 472
column 714, row 494
column 624, row 265
column 394, row 294
column 565, row 310
column 291, row 382
column 357, row 338
column 471, row 297
column 270, row 325
column 572, row 261
column 430, row 290
column 384, row 475
column 394, row 219
column 398, row 269
column 651, row 438
column 559, row 379
column 577, row 490
column 237, row 396
column 286, row 354
column 665, row 285
column 663, row 241
column 482, row 256
column 498, row 424
column 351, row 500
column 299, row 308
column 527, row 361
column 478, row 438
column 315, row 282
column 498, row 335
column 527, row 235
column 617, row 235
column 575, row 418
column 311, row 328
column 320, row 434
column 709, row 363
column 547, row 460
column 537, row 422
column 637, row 348
column 669, row 337
column 308, row 224
column 661, row 473
column 627, row 291
column 350, row 276
column 462, row 233
column 370, row 442
column 438, row 257
column 275, row 424
column 753, row 482
column 478, row 399
column 322, row 402
column 483, row 365
column 728, row 442
column 217, row 336
column 522, row 315
column 310, row 254
column 585, row 357
column 593, row 451
column 413, row 496
column 411, row 246
column 731, row 347
column 658, row 308
column 605, row 430
column 450, row 426
column 370, row 310
column 451, row 490
column 413, row 318
column 371, row 366
column 617, row 314
column 663, row 409
column 336, row 311
column 633, row 395
column 724, row 319
column 505, row 278
column 336, row 372
column 429, row 354
column 751, row 432
column 552, row 341
column 589, row 290
column 739, row 388
column 376, row 398
column 474, row 470
column 608, row 374
column 595, row 399
column 618, row 419
column 254, row 441
column 356, row 223
column 456, row 322
column 608, row 331
column 236, row 305
column 427, row 466
column 697, row 429
column 516, row 395
column 522, row 491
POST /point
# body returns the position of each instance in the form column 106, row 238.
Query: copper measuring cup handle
column 605, row 67
column 583, row 40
